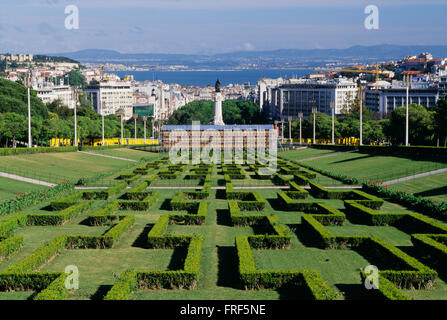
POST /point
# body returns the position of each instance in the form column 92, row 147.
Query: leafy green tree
column 75, row 78
column 12, row 127
column 441, row 120
column 421, row 125
column 233, row 111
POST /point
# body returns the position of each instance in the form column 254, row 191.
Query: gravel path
column 29, row 180
column 106, row 156
column 420, row 175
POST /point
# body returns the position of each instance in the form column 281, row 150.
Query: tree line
column 53, row 120
column 427, row 126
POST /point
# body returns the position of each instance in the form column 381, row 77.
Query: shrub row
column 186, row 278
column 10, row 245
column 406, row 271
column 104, row 194
column 252, row 278
column 104, row 215
column 287, row 200
column 60, row 217
column 429, row 207
column 10, row 224
column 371, row 201
column 406, row 220
column 106, row 241
column 386, row 290
column 139, row 205
column 32, row 198
column 67, row 201
column 431, row 245
column 38, row 257
column 16, row 151
column 27, row 281
column 57, row 290
column 252, row 201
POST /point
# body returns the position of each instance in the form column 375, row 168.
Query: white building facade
column 289, row 99
column 63, row 93
column 108, row 97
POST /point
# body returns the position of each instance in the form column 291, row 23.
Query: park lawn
column 219, row 277
column 10, row 188
column 384, row 168
column 57, row 167
column 126, row 153
column 306, row 153
column 432, row 187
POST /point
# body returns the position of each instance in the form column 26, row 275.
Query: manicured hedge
column 10, row 224
column 106, row 241
column 124, row 286
column 139, row 205
column 27, row 281
column 10, row 245
column 252, row 201
column 386, row 290
column 431, row 245
column 321, row 236
column 104, row 215
column 55, row 291
column 17, row 151
column 429, row 207
column 252, row 278
column 413, row 273
column 359, row 213
column 407, row 220
column 38, row 257
column 186, row 278
column 60, row 217
column 67, row 201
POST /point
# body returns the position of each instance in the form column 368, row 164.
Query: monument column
column 218, row 98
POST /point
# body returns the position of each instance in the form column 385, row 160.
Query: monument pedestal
column 218, row 118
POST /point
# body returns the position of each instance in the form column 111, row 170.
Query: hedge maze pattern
column 247, row 208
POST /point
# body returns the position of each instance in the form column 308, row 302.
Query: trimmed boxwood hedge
column 386, row 290
column 433, row 245
column 10, row 245
column 185, row 278
column 60, row 217
column 252, row 278
column 139, row 205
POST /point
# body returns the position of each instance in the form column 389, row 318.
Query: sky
column 216, row 26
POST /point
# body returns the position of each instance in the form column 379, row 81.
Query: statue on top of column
column 217, row 86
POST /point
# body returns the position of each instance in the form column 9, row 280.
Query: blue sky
column 214, row 26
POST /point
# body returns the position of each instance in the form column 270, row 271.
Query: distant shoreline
column 207, row 77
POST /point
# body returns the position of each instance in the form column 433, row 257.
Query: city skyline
column 210, row 27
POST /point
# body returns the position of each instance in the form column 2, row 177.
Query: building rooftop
column 215, row 127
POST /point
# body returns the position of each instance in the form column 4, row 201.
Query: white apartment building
column 385, row 97
column 63, row 93
column 108, row 97
column 291, row 98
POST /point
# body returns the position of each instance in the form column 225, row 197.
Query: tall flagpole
column 30, row 142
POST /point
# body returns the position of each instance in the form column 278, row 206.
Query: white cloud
column 248, row 46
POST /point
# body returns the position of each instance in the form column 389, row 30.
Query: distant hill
column 383, row 52
column 43, row 58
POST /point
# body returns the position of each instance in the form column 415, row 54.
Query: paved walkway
column 426, row 174
column 106, row 156
column 29, row 180
column 327, row 155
